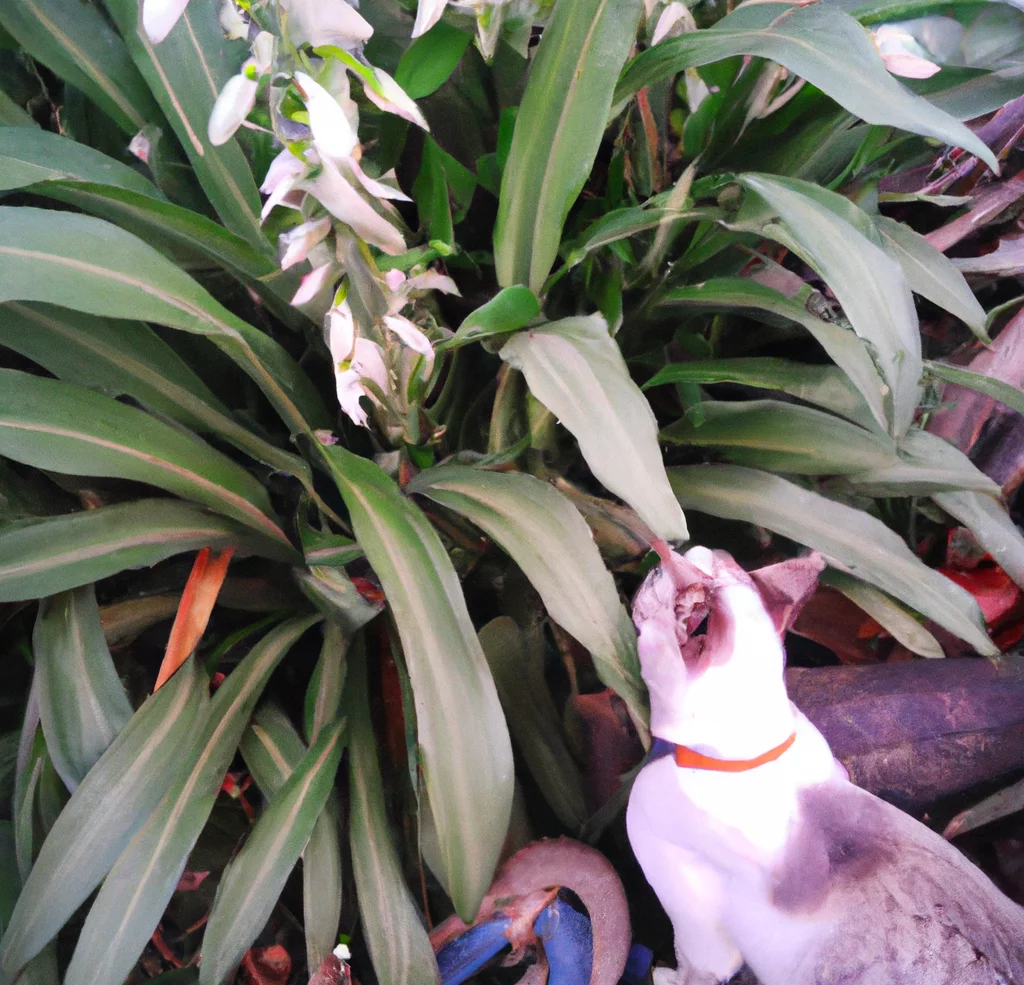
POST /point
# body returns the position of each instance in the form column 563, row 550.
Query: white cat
column 758, row 846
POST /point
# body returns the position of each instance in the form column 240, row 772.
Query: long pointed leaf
column 186, row 72
column 42, row 557
column 120, row 356
column 932, row 275
column 398, row 942
column 90, row 265
column 846, row 350
column 868, row 282
column 554, row 547
column 863, row 545
column 558, row 132
column 108, row 808
column 68, row 171
column 272, row 749
column 575, row 368
column 77, row 43
column 74, row 431
column 806, row 41
column 465, row 748
column 825, row 386
column 136, row 891
column 533, row 719
column 81, row 701
column 253, row 881
column 784, row 438
column 995, row 530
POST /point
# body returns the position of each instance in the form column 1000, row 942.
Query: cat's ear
column 786, row 587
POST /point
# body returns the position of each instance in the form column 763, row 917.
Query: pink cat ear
column 786, row 587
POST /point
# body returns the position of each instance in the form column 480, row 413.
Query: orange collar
column 691, row 760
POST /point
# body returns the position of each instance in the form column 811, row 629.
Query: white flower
column 159, row 16
column 367, row 362
column 385, row 93
column 901, row 52
column 394, row 278
column 313, row 283
column 140, row 146
column 428, row 13
column 233, row 105
column 232, row 23
column 238, row 96
column 341, row 332
column 343, row 202
column 299, row 241
column 333, row 135
column 431, row 280
column 322, row 22
column 376, row 188
column 674, row 15
column 411, row 335
column 342, row 953
column 282, row 176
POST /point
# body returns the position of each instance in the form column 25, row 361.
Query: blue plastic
column 466, row 955
column 568, row 944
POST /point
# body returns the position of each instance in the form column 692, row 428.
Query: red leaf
column 267, row 965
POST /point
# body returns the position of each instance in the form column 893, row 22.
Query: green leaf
column 398, row 943
column 1000, row 804
column 1005, row 393
column 509, row 310
column 533, row 719
column 558, row 131
column 993, row 527
column 75, row 431
column 783, row 437
column 272, row 749
column 127, row 357
column 43, row 557
column 323, row 695
column 746, row 296
column 430, row 60
column 868, row 283
column 254, row 879
column 574, row 368
column 623, row 223
column 185, row 73
column 65, row 170
column 430, row 192
column 928, row 464
column 805, row 40
column 891, row 616
column 466, row 754
column 12, row 114
column 104, row 813
column 932, row 275
column 81, row 701
column 826, row 386
column 137, row 889
column 90, row 265
column 76, row 42
column 10, row 878
column 29, row 155
column 985, row 93
column 552, row 544
column 863, row 545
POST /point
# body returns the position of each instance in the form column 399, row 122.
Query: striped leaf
column 254, row 879
column 464, row 744
column 137, row 889
column 43, row 557
column 104, row 813
column 74, row 431
column 82, row 704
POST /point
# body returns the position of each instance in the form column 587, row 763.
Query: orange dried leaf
column 197, row 601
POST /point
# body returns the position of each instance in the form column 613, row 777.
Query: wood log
column 914, row 733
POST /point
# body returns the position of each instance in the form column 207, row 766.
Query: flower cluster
column 304, row 54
